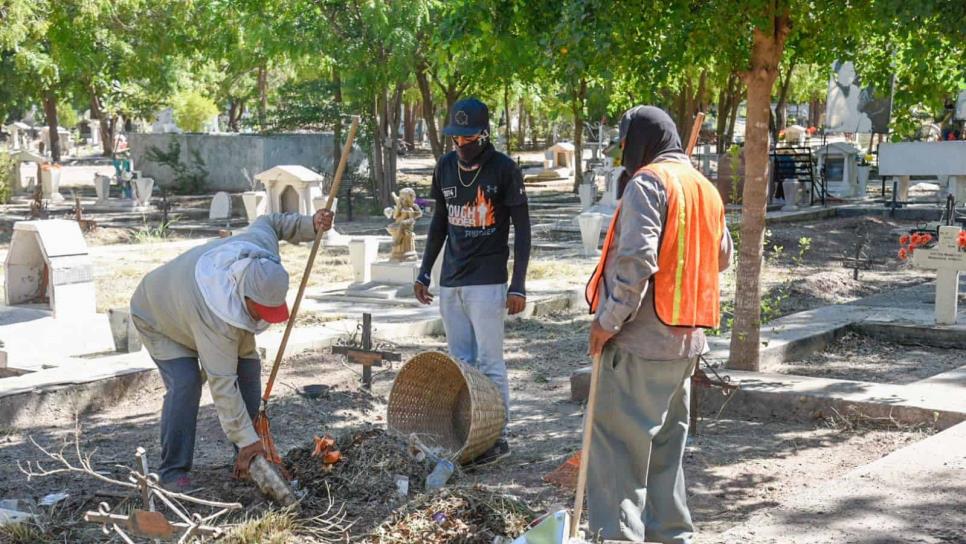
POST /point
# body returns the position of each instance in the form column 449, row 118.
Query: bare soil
column 862, row 358
column 734, row 467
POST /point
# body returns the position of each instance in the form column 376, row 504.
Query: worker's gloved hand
column 245, row 457
column 323, row 220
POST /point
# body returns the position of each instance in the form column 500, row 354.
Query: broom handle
column 585, row 446
column 336, row 182
column 695, row 131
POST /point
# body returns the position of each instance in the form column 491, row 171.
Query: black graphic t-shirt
column 478, row 206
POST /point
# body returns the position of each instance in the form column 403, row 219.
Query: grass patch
column 270, row 527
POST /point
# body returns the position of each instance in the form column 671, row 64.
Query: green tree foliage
column 192, row 110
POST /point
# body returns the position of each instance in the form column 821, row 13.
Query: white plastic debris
column 402, row 485
column 10, row 517
column 53, row 498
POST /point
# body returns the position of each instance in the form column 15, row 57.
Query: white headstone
column 256, row 204
column 590, row 224
column 948, row 260
column 587, row 193
column 142, row 187
column 102, row 185
column 50, row 182
column 362, row 253
column 220, row 206
column 790, row 189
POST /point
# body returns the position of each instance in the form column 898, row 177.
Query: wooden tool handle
column 336, row 182
column 585, row 447
column 695, row 131
column 343, row 161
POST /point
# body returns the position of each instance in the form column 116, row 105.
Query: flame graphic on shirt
column 478, row 213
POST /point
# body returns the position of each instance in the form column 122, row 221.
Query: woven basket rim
column 473, row 393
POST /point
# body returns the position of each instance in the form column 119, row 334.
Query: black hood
column 647, row 132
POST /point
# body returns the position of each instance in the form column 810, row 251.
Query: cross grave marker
column 948, row 260
column 364, row 355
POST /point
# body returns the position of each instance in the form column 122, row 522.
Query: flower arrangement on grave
column 962, row 240
column 916, row 239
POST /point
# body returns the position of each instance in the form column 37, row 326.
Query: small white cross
column 948, row 260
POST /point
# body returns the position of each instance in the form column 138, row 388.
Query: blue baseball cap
column 468, row 117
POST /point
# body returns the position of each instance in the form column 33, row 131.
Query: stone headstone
column 948, row 260
column 256, row 204
column 362, row 254
column 790, row 189
column 102, row 186
column 50, row 182
column 220, row 206
column 587, row 193
column 126, row 337
column 141, row 189
column 590, row 224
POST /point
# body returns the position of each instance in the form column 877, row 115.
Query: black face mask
column 470, row 151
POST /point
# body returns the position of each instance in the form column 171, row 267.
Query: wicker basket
column 447, row 404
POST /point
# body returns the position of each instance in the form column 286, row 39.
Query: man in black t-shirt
column 479, row 192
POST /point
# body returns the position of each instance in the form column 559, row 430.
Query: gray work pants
column 635, row 481
column 179, row 413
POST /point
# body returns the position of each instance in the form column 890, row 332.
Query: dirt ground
column 859, row 357
column 734, row 466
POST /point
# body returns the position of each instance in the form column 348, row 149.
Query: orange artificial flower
column 904, row 240
column 903, row 255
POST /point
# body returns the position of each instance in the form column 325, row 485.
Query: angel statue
column 405, row 214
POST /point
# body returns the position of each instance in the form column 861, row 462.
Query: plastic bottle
column 440, row 475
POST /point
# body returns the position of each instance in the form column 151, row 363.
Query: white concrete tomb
column 840, row 161
column 560, row 156
column 291, row 188
column 48, row 264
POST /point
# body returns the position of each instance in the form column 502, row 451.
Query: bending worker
column 200, row 313
column 655, row 289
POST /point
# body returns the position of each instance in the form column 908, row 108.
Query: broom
column 262, row 426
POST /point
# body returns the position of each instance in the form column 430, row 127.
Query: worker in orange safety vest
column 654, row 291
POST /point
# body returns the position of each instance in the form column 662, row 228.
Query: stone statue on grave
column 405, row 214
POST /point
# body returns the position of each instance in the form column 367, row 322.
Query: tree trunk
column 337, row 126
column 409, row 126
column 521, row 124
column 781, row 116
column 262, row 93
column 377, row 132
column 533, row 129
column 506, row 115
column 392, row 124
column 104, row 126
column 452, row 95
column 429, row 112
column 766, row 53
column 733, row 117
column 50, row 112
column 578, row 108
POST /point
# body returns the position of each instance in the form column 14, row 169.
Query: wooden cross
column 364, row 355
column 948, row 260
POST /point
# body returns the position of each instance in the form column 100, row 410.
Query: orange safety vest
column 686, row 291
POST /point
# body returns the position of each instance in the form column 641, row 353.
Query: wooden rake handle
column 585, row 446
column 333, row 191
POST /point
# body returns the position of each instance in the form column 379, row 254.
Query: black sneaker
column 498, row 451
